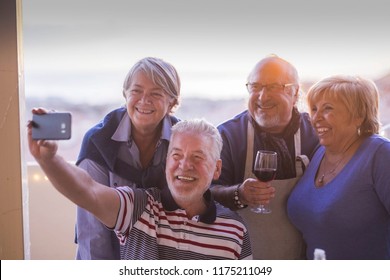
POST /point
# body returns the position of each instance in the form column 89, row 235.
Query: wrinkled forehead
column 194, row 144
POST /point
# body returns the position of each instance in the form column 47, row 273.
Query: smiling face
column 273, row 110
column 147, row 104
column 333, row 123
column 190, row 167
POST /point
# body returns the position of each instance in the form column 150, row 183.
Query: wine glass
column 265, row 170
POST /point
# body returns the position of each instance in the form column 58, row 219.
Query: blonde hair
column 359, row 95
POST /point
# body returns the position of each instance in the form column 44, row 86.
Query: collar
column 208, row 217
column 123, row 131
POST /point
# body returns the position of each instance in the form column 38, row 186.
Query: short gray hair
column 201, row 127
column 160, row 72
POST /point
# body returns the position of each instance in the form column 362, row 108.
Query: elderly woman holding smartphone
column 129, row 146
column 342, row 203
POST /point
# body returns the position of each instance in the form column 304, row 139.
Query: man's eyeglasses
column 272, row 88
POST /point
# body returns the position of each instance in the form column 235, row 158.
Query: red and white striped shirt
column 150, row 225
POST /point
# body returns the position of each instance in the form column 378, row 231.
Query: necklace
column 321, row 178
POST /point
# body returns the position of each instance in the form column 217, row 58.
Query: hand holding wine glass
column 265, row 170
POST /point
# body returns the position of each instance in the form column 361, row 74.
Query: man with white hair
column 181, row 221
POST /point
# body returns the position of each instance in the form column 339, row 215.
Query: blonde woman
column 342, row 203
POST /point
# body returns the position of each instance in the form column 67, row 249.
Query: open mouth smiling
column 322, row 130
column 185, row 178
column 265, row 107
column 144, row 111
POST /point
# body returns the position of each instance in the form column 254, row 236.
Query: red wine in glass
column 265, row 171
column 265, row 174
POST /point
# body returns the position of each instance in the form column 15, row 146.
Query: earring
column 359, row 131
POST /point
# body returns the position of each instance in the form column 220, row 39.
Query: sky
column 83, row 49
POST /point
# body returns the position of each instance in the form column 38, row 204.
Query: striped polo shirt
column 150, row 225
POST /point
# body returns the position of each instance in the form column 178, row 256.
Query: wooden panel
column 11, row 170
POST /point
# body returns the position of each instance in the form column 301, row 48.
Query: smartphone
column 52, row 126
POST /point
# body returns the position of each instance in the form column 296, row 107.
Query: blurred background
column 77, row 53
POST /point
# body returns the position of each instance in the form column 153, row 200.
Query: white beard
column 266, row 121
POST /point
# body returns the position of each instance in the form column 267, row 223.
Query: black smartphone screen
column 52, row 126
